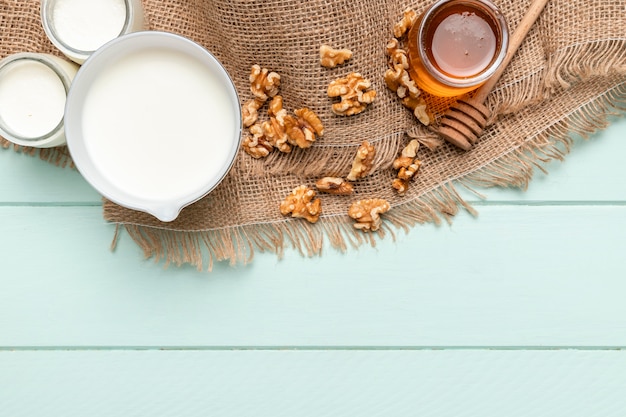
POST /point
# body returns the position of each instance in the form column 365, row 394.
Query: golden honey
column 456, row 45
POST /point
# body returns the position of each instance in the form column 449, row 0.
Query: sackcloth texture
column 568, row 77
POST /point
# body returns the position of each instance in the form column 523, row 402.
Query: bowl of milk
column 153, row 122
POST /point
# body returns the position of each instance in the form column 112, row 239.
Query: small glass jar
column 456, row 45
column 33, row 92
column 79, row 27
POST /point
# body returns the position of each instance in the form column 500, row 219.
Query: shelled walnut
column 250, row 111
column 301, row 204
column 330, row 57
column 263, row 83
column 257, row 145
column 397, row 76
column 407, row 165
column 353, row 90
column 281, row 131
column 275, row 128
column 420, row 109
column 408, row 18
column 399, row 81
column 303, row 129
column 363, row 161
column 335, row 186
column 367, row 213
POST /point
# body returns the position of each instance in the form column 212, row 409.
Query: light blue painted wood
column 517, row 275
column 536, row 269
column 593, row 171
column 26, row 179
column 332, row 383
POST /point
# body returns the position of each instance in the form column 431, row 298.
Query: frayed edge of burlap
column 563, row 68
column 585, row 60
column 51, row 155
column 515, row 169
column 238, row 245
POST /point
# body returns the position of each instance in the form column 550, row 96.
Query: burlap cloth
column 568, row 76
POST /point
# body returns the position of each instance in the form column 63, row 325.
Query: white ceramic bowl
column 153, row 122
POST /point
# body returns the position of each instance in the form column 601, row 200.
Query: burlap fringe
column 601, row 58
column 57, row 156
column 238, row 245
column 516, row 168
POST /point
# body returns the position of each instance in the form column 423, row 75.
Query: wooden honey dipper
column 465, row 121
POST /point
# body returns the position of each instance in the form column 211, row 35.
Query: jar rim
column 498, row 19
column 50, row 29
column 6, row 130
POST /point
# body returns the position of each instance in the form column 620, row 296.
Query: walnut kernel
column 257, row 145
column 301, row 204
column 408, row 18
column 363, row 162
column 263, row 83
column 330, row 57
column 250, row 111
column 275, row 128
column 408, row 172
column 354, row 94
column 303, row 128
column 407, row 165
column 399, row 81
column 420, row 110
column 336, row 186
column 367, row 213
column 401, row 186
column 397, row 76
column 410, row 150
column 392, row 46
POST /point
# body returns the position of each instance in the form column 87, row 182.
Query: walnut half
column 258, row 145
column 263, row 83
column 250, row 111
column 336, row 186
column 408, row 18
column 367, row 213
column 301, row 204
column 330, row 57
column 363, row 162
column 407, row 165
column 303, row 129
column 354, row 92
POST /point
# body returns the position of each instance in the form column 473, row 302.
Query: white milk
column 79, row 27
column 32, row 98
column 86, row 25
column 158, row 124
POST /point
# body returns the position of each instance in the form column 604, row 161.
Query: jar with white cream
column 33, row 93
column 79, row 27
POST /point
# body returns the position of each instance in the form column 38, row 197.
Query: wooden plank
column 27, row 179
column 515, row 276
column 593, row 171
column 313, row 383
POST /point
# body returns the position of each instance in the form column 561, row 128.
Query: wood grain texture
column 82, row 328
column 521, row 275
column 296, row 383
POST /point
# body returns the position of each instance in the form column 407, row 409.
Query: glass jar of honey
column 456, row 45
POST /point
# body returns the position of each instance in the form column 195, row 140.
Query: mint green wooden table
column 528, row 318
